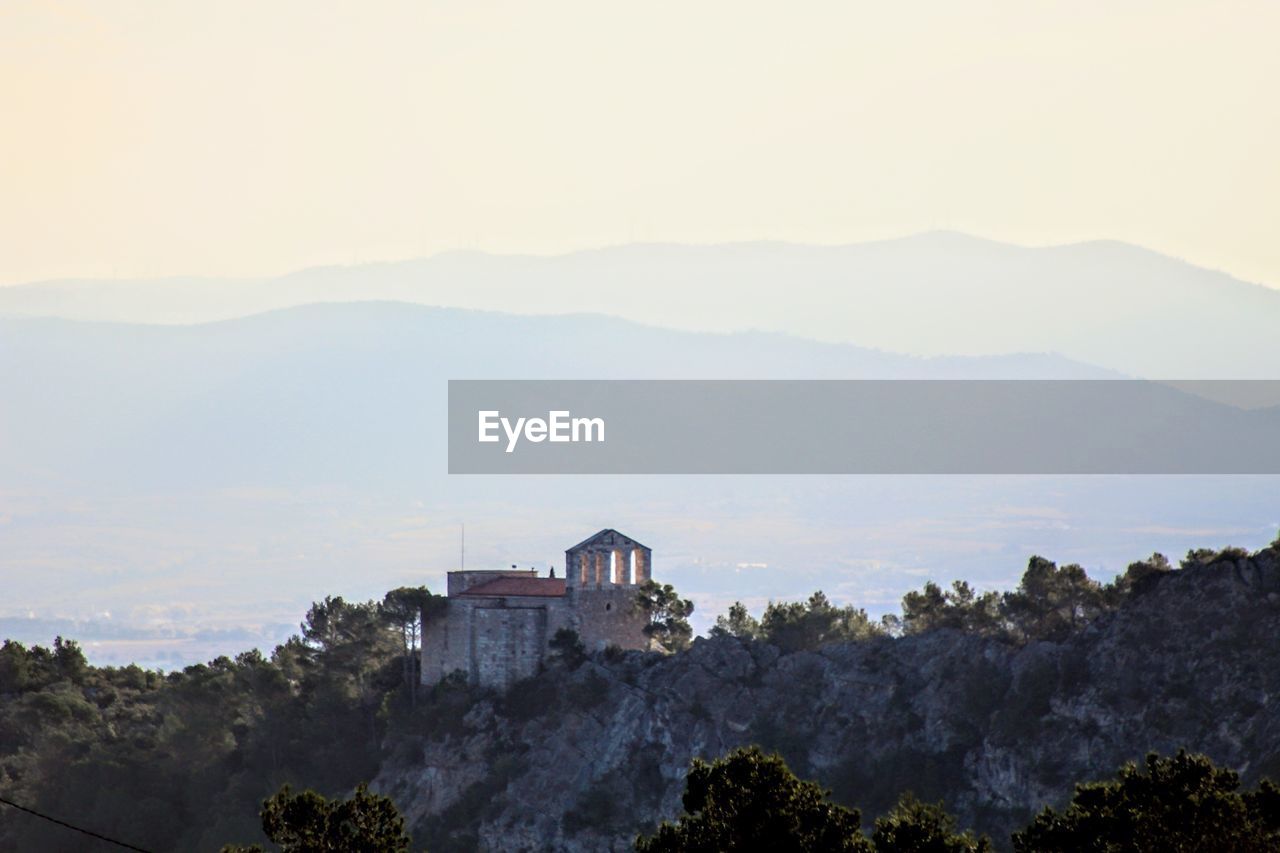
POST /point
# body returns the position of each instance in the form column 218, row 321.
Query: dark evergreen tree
column 667, row 613
column 917, row 827
column 309, row 823
column 749, row 801
column 1167, row 805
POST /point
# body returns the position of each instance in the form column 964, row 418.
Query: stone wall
column 507, row 643
column 493, row 641
column 607, row 617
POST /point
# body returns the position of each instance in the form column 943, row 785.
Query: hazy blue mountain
column 206, row 480
column 1103, row 303
column 349, row 393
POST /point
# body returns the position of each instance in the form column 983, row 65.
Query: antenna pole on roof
column 463, row 545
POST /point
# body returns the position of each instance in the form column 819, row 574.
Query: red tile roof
column 541, row 587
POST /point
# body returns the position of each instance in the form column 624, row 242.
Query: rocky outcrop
column 583, row 759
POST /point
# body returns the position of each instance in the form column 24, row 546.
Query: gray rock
column 996, row 730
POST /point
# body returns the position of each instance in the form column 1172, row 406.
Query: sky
column 252, row 139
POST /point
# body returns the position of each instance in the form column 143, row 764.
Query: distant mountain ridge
column 1104, row 303
column 352, row 392
column 259, row 461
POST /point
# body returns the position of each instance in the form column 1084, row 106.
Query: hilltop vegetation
column 181, row 760
column 1050, row 603
column 751, row 801
column 995, row 703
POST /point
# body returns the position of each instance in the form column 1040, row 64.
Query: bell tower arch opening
column 607, row 559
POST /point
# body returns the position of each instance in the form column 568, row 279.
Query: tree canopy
column 738, row 622
column 796, row 625
column 667, row 615
column 1177, row 804
column 407, row 610
column 917, row 827
column 750, row 801
column 309, row 823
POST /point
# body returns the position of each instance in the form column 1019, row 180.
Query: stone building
column 498, row 624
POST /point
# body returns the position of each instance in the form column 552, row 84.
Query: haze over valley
column 180, row 476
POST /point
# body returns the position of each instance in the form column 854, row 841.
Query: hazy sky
column 249, row 138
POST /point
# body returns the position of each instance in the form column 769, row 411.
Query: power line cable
column 72, row 826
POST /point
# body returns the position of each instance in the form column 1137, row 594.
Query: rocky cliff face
column 583, row 759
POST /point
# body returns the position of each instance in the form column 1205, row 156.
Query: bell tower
column 607, row 559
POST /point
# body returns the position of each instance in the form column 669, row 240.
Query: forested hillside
column 996, row 703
